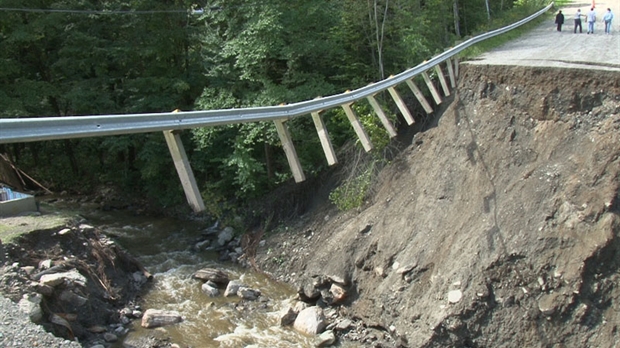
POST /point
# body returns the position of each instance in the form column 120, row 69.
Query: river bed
column 164, row 247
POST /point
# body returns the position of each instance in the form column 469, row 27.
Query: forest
column 100, row 57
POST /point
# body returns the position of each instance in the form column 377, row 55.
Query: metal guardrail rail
column 30, row 129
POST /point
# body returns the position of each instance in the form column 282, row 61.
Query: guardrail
column 49, row 128
column 29, row 129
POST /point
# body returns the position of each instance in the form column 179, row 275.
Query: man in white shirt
column 578, row 21
column 591, row 19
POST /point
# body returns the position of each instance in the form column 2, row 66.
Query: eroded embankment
column 510, row 205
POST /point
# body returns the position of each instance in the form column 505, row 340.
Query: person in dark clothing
column 559, row 20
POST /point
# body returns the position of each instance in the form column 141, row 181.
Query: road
column 545, row 46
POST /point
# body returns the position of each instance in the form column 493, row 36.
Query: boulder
column 210, row 290
column 225, row 236
column 326, row 339
column 339, row 294
column 55, row 279
column 212, row 274
column 157, row 318
column 31, row 305
column 232, row 288
column 310, row 321
column 248, row 293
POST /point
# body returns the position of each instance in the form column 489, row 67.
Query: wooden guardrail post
column 432, row 88
column 384, row 120
column 442, row 80
column 289, row 150
column 357, row 127
column 456, row 67
column 401, row 105
column 326, row 143
column 451, row 73
column 188, row 181
column 418, row 94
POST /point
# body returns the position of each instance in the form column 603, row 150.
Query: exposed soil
column 510, row 200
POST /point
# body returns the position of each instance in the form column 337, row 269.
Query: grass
column 11, row 228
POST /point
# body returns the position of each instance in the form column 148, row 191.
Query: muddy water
column 164, row 248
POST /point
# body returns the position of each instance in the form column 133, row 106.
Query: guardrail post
column 442, row 80
column 431, row 87
column 451, row 73
column 289, row 150
column 384, row 120
column 357, row 127
column 456, row 67
column 401, row 105
column 326, row 143
column 188, row 181
column 418, row 94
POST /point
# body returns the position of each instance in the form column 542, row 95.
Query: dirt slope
column 512, row 199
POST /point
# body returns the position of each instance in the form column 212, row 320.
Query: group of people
column 590, row 18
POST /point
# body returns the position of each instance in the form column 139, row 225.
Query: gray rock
column 344, row 325
column 110, row 337
column 212, row 274
column 73, row 299
column 156, row 318
column 58, row 278
column 225, row 236
column 326, row 339
column 310, row 321
column 232, row 288
column 31, row 305
column 210, row 290
column 248, row 293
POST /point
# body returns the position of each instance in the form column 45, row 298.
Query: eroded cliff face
column 510, row 204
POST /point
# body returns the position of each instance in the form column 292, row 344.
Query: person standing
column 591, row 19
column 578, row 21
column 559, row 20
column 607, row 19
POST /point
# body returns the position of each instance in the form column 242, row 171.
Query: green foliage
column 242, row 54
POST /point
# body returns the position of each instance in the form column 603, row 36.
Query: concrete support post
column 289, row 150
column 442, row 80
column 432, row 88
column 326, row 143
column 357, row 127
column 179, row 157
column 401, row 105
column 418, row 94
column 384, row 120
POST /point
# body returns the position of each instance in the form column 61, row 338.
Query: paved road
column 545, row 46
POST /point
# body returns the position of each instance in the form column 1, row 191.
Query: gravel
column 16, row 330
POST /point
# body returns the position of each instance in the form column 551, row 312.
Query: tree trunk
column 457, row 22
column 486, row 2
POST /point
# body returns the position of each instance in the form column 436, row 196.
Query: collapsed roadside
column 498, row 227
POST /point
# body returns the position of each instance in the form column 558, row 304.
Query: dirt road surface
column 545, row 46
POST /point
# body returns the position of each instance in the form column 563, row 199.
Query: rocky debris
column 289, row 312
column 71, row 279
column 248, row 293
column 232, row 288
column 330, row 290
column 310, row 321
column 156, row 318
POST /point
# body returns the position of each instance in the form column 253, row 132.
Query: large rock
column 326, row 339
column 289, row 312
column 31, row 305
column 55, row 279
column 212, row 274
column 310, row 321
column 225, row 236
column 232, row 288
column 210, row 290
column 156, row 318
column 248, row 293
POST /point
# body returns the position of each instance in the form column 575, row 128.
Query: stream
column 164, row 247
